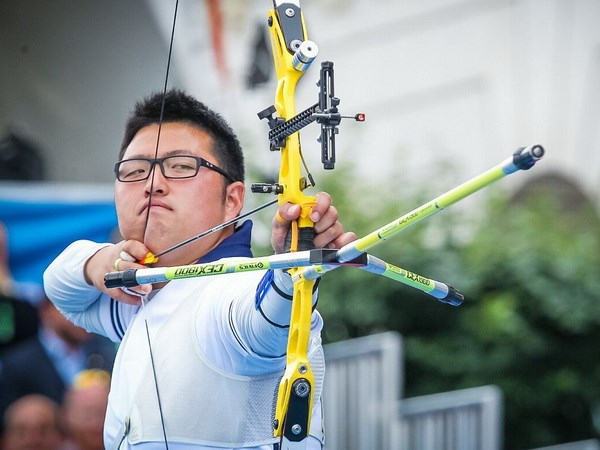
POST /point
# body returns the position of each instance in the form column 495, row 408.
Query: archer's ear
column 234, row 202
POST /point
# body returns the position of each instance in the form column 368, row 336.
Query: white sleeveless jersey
column 201, row 403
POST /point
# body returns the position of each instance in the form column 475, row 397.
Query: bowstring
column 161, row 115
column 160, row 123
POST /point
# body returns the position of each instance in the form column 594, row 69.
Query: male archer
column 200, row 359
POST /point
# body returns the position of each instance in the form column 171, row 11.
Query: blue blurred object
column 42, row 219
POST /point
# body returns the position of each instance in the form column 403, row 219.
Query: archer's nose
column 156, row 182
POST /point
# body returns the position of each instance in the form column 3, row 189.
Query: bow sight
column 325, row 112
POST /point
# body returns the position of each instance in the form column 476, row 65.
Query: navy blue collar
column 238, row 244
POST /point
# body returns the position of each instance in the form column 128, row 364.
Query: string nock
column 305, row 55
column 149, row 259
column 525, row 157
column 453, row 297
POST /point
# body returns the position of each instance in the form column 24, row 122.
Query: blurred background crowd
column 54, row 376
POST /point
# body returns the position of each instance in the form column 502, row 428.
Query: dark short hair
column 180, row 107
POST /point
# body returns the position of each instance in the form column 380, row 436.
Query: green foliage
column 531, row 322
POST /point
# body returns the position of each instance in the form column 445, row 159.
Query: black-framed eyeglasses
column 177, row 166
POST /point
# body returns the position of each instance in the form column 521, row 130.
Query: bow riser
column 295, row 395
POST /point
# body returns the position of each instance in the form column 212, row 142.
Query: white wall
column 461, row 80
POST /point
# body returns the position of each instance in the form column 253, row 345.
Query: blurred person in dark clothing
column 32, row 423
column 18, row 321
column 18, row 315
column 48, row 362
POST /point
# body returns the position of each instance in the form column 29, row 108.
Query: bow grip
column 301, row 234
column 300, row 240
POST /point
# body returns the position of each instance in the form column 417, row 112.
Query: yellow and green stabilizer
column 523, row 159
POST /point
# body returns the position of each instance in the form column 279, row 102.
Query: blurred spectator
column 18, row 318
column 20, row 158
column 5, row 277
column 84, row 408
column 18, row 321
column 48, row 362
column 32, row 423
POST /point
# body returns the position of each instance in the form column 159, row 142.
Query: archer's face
column 178, row 208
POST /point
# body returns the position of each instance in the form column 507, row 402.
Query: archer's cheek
column 131, row 226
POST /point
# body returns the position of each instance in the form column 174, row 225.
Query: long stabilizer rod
column 522, row 159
